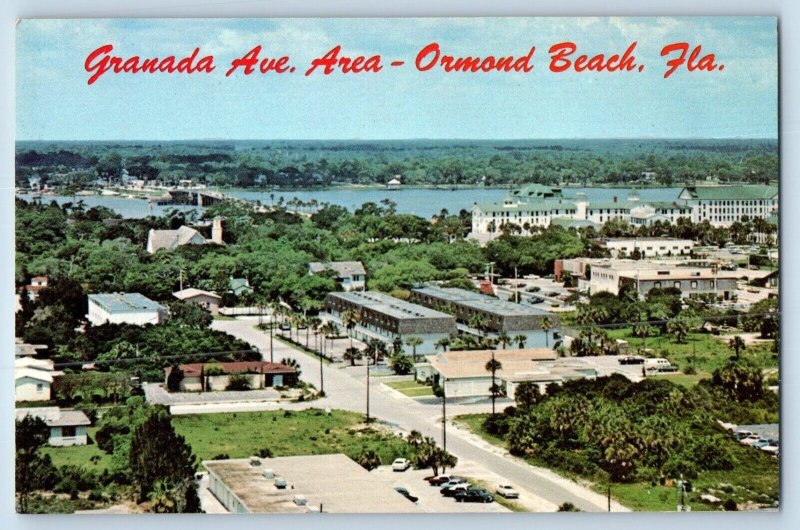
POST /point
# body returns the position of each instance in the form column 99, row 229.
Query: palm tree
column 292, row 363
column 442, row 343
column 493, row 366
column 414, row 438
column 737, row 344
column 352, row 355
column 350, row 319
column 546, row 325
column 520, row 340
column 503, row 339
column 414, row 342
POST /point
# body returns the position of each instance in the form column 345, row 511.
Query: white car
column 771, row 449
column 750, row 440
column 401, row 464
column 507, row 491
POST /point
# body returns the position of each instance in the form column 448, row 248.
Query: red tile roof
column 240, row 367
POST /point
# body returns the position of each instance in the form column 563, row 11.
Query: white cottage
column 67, row 426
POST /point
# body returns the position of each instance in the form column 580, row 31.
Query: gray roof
column 158, row 239
column 55, row 417
column 389, row 305
column 344, row 269
column 479, row 301
column 125, row 302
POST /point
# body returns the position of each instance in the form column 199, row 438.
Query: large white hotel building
column 539, row 206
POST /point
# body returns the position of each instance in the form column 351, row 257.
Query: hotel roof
column 479, row 301
column 472, row 364
column 389, row 305
column 734, row 193
column 334, row 482
column 125, row 302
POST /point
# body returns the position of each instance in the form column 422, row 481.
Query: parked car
column 438, row 480
column 742, row 434
column 508, row 491
column 285, row 326
column 750, row 440
column 474, row 495
column 450, row 491
column 280, row 483
column 630, row 360
column 763, row 442
column 452, row 482
column 773, row 449
column 535, row 300
column 401, row 464
column 405, row 493
column 667, row 369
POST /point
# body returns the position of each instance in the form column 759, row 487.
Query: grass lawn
column 308, row 432
column 703, row 351
column 756, row 475
column 411, row 388
column 89, row 456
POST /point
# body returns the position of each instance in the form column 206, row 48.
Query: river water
column 417, row 201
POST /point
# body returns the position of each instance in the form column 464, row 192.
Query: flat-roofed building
column 691, row 278
column 385, row 318
column 498, row 316
column 206, row 377
column 464, row 374
column 124, row 308
column 648, row 247
column 317, row 483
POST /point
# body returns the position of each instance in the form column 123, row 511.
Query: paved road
column 347, row 392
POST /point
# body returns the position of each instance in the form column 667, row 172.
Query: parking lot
column 430, row 498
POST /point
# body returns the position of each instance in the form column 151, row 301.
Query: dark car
column 438, row 480
column 474, row 495
column 667, row 369
column 452, row 491
column 630, row 360
column 405, row 493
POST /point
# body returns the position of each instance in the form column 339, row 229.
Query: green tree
column 678, row 328
column 174, row 378
column 741, row 380
column 31, row 433
column 401, row 364
column 546, row 324
column 368, row 459
column 737, row 345
column 158, row 453
column 414, row 342
column 520, row 340
column 189, row 314
column 352, row 355
column 493, row 365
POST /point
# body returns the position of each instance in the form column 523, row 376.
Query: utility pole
column 271, row 331
column 366, row 361
column 321, row 376
column 609, row 495
column 180, row 278
column 444, row 416
column 516, row 286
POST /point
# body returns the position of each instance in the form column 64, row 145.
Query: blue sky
column 54, row 101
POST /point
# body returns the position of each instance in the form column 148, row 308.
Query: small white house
column 67, row 426
column 351, row 274
column 208, row 300
column 32, row 379
column 124, row 308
